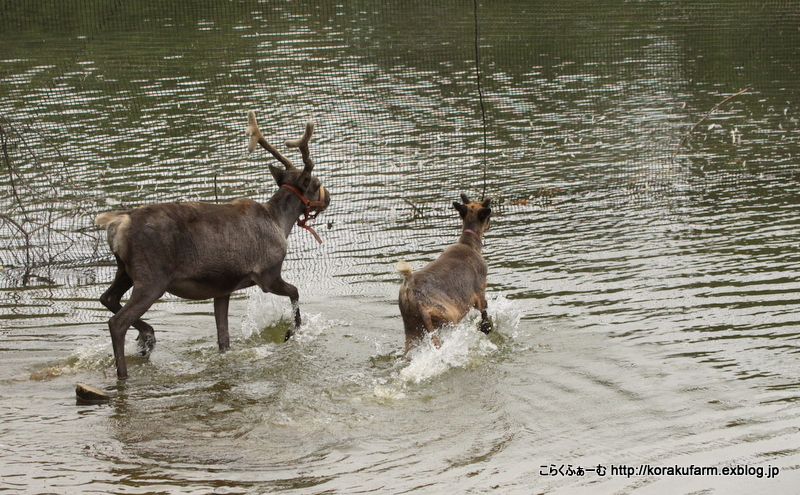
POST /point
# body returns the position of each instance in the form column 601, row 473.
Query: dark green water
column 645, row 294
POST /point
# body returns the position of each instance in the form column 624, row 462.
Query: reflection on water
column 646, row 305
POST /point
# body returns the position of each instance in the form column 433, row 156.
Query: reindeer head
column 301, row 182
column 474, row 215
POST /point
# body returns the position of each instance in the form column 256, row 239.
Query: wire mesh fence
column 110, row 104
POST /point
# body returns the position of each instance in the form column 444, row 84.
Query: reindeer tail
column 116, row 223
column 404, row 269
column 108, row 219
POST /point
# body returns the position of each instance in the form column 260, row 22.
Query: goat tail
column 404, row 269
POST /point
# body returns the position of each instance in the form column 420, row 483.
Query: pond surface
column 645, row 294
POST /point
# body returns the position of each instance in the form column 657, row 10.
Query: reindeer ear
column 483, row 214
column 486, row 202
column 276, row 173
column 462, row 209
column 465, row 199
column 304, row 181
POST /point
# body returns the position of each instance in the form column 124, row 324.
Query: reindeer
column 444, row 291
column 208, row 251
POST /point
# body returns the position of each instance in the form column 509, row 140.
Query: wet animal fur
column 447, row 288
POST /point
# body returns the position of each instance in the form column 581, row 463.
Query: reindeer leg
column 111, row 300
column 221, row 317
column 280, row 287
column 139, row 302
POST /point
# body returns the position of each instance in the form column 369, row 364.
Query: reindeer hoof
column 145, row 345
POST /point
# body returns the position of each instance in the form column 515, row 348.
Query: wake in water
column 462, row 346
column 88, row 358
column 187, row 354
column 188, row 347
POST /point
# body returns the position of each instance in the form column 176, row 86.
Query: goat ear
column 462, row 209
column 483, row 214
column 486, row 202
column 276, row 173
column 465, row 199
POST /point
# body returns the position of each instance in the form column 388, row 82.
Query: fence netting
column 111, row 104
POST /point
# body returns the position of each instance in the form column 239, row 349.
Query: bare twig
column 7, row 159
column 63, row 178
column 25, row 234
column 416, row 209
column 15, row 193
column 683, row 140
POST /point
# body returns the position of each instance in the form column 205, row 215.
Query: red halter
column 309, row 214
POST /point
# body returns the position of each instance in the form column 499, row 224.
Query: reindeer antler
column 302, row 144
column 257, row 138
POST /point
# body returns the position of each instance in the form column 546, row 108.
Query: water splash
column 316, row 324
column 268, row 317
column 462, row 346
column 263, row 310
column 505, row 313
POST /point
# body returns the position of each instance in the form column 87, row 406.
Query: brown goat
column 444, row 291
column 204, row 251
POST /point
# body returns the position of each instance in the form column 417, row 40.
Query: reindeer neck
column 285, row 207
column 471, row 238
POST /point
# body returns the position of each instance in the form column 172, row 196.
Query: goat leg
column 221, row 317
column 486, row 323
column 428, row 322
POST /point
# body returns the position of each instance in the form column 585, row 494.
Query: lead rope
column 480, row 96
column 307, row 214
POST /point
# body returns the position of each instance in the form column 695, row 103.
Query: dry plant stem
column 7, row 218
column 683, row 141
column 414, row 207
column 10, row 170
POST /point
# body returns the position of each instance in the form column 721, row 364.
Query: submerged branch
column 683, row 140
